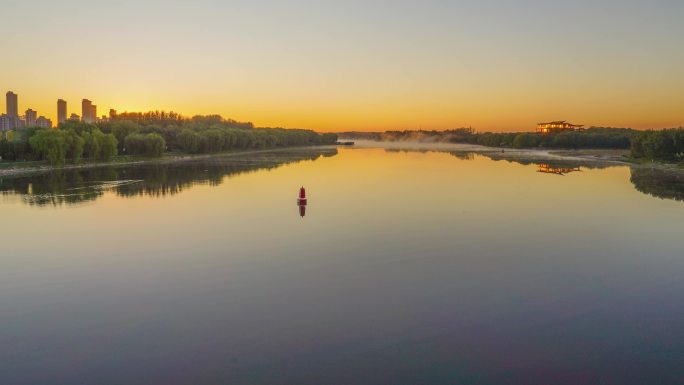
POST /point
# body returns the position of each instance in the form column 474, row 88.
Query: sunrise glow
column 334, row 66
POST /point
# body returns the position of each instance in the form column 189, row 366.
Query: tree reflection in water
column 659, row 183
column 664, row 184
column 157, row 179
column 161, row 179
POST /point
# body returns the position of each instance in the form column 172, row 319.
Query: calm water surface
column 408, row 268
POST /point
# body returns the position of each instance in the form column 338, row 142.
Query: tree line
column 664, row 145
column 149, row 134
column 58, row 146
column 667, row 145
column 163, row 118
column 594, row 137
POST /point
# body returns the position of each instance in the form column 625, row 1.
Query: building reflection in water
column 548, row 168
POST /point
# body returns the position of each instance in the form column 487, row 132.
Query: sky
column 494, row 65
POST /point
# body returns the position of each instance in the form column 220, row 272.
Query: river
column 405, row 267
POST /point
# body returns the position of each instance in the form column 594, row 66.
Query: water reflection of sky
column 161, row 179
column 408, row 268
column 79, row 186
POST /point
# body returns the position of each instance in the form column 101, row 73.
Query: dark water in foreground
column 408, row 268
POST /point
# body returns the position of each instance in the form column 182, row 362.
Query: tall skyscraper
column 86, row 111
column 61, row 111
column 31, row 117
column 13, row 110
column 93, row 113
column 12, row 104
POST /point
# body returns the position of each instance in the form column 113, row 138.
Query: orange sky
column 356, row 66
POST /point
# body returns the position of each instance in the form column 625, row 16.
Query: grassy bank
column 37, row 167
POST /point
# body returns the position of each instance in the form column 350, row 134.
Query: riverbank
column 8, row 169
column 585, row 157
column 591, row 155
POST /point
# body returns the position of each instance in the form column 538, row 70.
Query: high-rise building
column 43, row 122
column 61, row 111
column 93, row 113
column 12, row 104
column 30, row 118
column 9, row 123
column 13, row 110
column 5, row 123
column 86, row 110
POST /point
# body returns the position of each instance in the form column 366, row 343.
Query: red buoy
column 301, row 202
column 302, row 197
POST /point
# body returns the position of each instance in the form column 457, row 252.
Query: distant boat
column 301, row 202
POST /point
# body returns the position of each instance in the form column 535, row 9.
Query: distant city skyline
column 356, row 65
column 11, row 119
column 89, row 115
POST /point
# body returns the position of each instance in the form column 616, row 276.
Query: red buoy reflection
column 301, row 202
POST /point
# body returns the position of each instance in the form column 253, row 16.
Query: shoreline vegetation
column 138, row 137
column 604, row 143
column 12, row 169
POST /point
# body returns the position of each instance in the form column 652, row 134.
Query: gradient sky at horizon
column 494, row 65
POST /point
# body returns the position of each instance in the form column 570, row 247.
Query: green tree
column 526, row 140
column 51, row 145
column 135, row 144
column 91, row 144
column 74, row 145
column 188, row 141
column 140, row 144
column 155, row 145
column 122, row 129
column 108, row 147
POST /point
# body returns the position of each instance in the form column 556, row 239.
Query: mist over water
column 423, row 264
